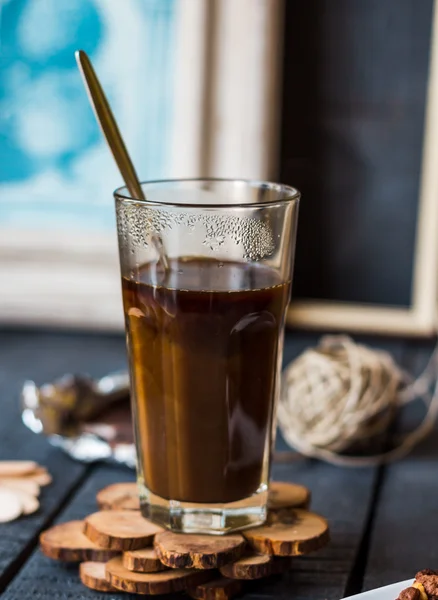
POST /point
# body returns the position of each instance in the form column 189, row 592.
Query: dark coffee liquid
column 204, row 350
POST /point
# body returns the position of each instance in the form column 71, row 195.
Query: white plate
column 389, row 592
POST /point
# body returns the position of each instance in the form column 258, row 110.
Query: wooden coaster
column 17, row 468
column 119, row 496
column 120, row 529
column 68, row 543
column 92, row 575
column 218, row 589
column 182, row 550
column 192, row 559
column 250, row 566
column 294, row 532
column 172, row 580
column 143, row 561
column 287, row 495
column 10, row 506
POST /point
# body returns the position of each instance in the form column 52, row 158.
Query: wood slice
column 120, row 529
column 22, row 484
column 119, row 496
column 68, row 543
column 181, row 550
column 10, row 506
column 287, row 495
column 29, row 504
column 92, row 575
column 172, row 580
column 296, row 532
column 40, row 476
column 250, row 566
column 143, row 561
column 218, row 589
column 17, row 468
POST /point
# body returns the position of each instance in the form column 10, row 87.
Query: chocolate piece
column 410, row 593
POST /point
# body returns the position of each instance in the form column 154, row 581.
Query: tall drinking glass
column 206, row 276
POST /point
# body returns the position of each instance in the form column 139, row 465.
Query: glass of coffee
column 206, row 277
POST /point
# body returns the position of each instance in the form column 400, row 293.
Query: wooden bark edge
column 133, row 562
column 195, row 559
column 221, row 588
column 95, row 581
column 245, row 569
column 151, row 583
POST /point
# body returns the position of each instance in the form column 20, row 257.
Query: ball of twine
column 341, row 393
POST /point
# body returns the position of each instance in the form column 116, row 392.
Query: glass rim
column 290, row 193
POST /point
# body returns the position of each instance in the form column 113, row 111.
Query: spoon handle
column 108, row 125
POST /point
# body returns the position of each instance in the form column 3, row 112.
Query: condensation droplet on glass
column 137, row 223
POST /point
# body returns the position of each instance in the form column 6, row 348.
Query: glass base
column 211, row 519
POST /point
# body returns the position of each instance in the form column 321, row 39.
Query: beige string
column 341, row 393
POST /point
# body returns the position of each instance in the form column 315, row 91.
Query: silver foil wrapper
column 89, row 419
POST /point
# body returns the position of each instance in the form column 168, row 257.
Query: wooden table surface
column 384, row 520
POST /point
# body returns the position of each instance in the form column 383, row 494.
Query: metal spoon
column 111, row 132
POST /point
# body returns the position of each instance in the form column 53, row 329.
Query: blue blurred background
column 52, row 156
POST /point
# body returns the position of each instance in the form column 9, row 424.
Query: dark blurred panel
column 355, row 81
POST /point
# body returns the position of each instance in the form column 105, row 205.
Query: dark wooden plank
column 404, row 535
column 42, row 578
column 43, row 357
column 343, row 495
